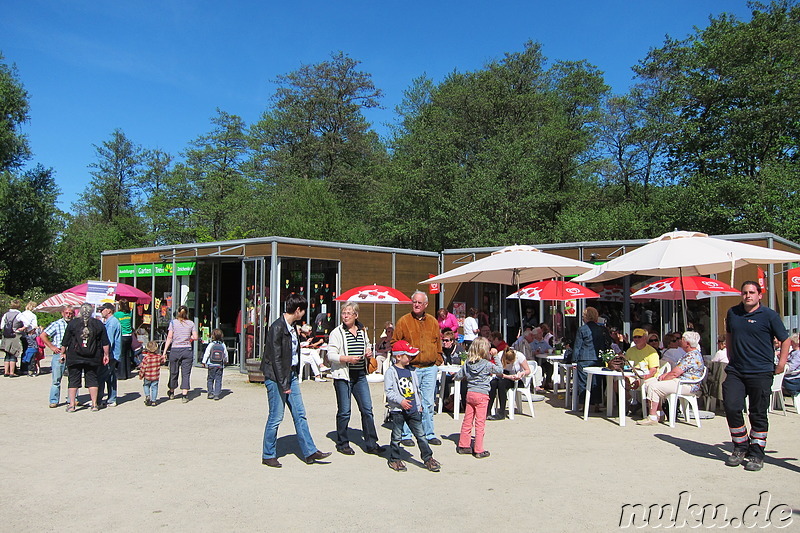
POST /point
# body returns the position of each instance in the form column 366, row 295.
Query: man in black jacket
column 280, row 366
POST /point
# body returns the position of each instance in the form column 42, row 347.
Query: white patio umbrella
column 686, row 253
column 513, row 265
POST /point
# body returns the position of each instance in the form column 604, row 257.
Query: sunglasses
column 447, row 340
column 637, row 336
column 652, row 340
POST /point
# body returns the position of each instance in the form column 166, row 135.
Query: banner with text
column 186, row 268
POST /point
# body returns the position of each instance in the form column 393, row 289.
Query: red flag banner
column 434, row 286
column 762, row 282
column 793, row 278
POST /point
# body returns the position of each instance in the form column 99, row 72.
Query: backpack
column 9, row 328
column 90, row 350
column 218, row 354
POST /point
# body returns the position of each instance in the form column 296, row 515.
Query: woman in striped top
column 348, row 349
column 182, row 333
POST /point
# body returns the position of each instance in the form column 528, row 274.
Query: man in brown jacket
column 421, row 330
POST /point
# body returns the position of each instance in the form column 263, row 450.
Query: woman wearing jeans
column 348, row 349
column 182, row 333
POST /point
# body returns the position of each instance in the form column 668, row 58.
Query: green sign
column 150, row 269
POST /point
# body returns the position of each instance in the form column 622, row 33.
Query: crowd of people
column 96, row 352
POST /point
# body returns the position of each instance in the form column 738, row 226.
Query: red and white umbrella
column 56, row 302
column 553, row 290
column 376, row 294
column 695, row 288
column 122, row 291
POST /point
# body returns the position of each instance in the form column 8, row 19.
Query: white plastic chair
column 522, row 391
column 666, row 367
column 686, row 401
column 795, row 399
column 777, row 392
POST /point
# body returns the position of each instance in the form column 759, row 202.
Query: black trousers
column 757, row 389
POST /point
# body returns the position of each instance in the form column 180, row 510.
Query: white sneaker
column 320, row 379
column 324, row 368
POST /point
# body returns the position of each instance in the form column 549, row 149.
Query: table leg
column 456, row 398
column 587, row 395
column 609, row 395
column 441, row 391
column 574, row 388
column 622, row 405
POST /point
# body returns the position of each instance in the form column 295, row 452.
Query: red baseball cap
column 403, row 347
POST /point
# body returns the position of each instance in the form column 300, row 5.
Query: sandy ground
column 196, row 466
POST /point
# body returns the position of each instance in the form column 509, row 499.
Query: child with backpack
column 149, row 372
column 214, row 359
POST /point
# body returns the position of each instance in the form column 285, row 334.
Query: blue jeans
column 107, row 377
column 57, row 372
column 150, row 389
column 401, row 420
column 427, row 391
column 278, row 400
column 214, row 381
column 358, row 387
column 596, row 394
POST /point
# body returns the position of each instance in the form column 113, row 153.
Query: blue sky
column 159, row 69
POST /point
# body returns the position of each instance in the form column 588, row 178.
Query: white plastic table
column 611, row 376
column 443, row 371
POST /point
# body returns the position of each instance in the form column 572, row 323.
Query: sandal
column 94, row 409
column 70, row 408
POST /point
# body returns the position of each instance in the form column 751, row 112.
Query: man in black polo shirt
column 751, row 329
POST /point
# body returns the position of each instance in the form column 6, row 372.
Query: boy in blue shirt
column 402, row 395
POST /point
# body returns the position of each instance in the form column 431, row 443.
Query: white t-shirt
column 470, row 325
column 513, row 367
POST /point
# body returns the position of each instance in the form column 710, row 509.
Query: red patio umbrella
column 57, row 301
column 122, row 291
column 374, row 294
column 553, row 290
column 694, row 287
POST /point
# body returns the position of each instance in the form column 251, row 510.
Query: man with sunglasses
column 640, row 351
column 750, row 330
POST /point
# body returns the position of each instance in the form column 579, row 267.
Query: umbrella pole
column 519, row 304
column 683, row 298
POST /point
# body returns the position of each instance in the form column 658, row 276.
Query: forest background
column 524, row 150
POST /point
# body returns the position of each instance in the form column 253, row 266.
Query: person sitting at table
column 673, row 352
column 644, row 357
column 523, row 344
column 452, row 353
column 497, row 342
column 546, row 334
column 486, row 332
column 309, row 353
column 690, row 366
column 515, row 367
column 591, row 339
column 383, row 350
column 722, row 353
column 540, row 348
column 446, row 319
column 791, row 380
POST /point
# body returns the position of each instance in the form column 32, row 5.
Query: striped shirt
column 355, row 348
column 181, row 333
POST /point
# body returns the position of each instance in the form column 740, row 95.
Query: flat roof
column 628, row 242
column 264, row 240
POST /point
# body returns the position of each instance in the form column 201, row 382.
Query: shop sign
column 186, row 268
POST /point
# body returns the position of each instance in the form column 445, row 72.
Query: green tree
column 14, row 149
column 106, row 214
column 215, row 166
column 30, row 222
column 735, row 93
column 491, row 156
column 316, row 130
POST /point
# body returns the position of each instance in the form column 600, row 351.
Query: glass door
column 254, row 308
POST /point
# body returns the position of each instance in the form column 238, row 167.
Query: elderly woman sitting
column 690, row 366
